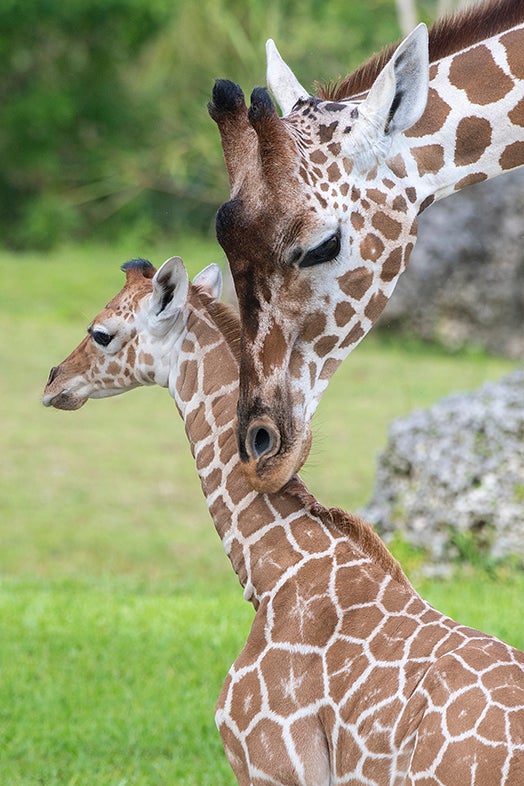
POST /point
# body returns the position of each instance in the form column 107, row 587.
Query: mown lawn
column 119, row 612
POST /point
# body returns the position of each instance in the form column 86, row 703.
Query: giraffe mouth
column 64, row 400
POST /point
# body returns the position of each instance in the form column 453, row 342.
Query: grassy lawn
column 119, row 612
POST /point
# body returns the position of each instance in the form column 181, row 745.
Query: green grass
column 120, row 614
column 101, row 684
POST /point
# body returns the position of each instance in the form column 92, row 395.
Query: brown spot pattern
column 433, row 118
column 472, row 139
column 274, row 349
column 325, row 133
column 517, row 114
column 333, row 172
column 399, row 204
column 220, row 410
column 113, row 368
column 512, row 156
column 465, row 70
column 386, row 225
column 329, row 368
column 131, row 355
column 314, row 327
column 354, row 335
column 344, row 311
column 248, row 698
column 267, row 749
column 318, row 157
column 429, row 158
column 375, row 306
column 513, row 43
column 371, row 247
column 298, row 676
column 357, row 221
column 470, row 180
column 376, row 196
column 295, row 363
column 325, row 345
column 426, row 203
column 355, row 283
column 397, row 166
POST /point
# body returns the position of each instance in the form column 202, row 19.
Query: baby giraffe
column 348, row 676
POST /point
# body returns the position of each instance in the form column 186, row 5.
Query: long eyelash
column 322, row 253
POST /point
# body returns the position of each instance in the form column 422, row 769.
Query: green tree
column 104, row 121
column 68, row 110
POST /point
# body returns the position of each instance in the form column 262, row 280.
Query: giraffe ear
column 399, row 95
column 281, row 80
column 209, row 280
column 170, row 289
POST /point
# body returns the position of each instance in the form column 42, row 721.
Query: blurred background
column 119, row 613
column 104, row 121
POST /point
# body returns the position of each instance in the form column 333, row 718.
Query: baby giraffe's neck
column 266, row 537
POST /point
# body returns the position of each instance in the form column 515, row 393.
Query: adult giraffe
column 348, row 676
column 324, row 203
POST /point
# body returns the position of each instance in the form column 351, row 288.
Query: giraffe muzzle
column 269, row 466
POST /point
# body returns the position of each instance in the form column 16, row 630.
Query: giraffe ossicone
column 322, row 215
column 347, row 675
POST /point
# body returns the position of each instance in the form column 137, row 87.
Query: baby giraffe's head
column 128, row 344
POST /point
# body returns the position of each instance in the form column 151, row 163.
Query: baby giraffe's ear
column 209, row 280
column 170, row 289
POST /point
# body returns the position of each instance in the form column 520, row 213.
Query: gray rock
column 451, row 478
column 465, row 281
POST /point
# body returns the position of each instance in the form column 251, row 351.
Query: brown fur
column 357, row 530
column 363, row 535
column 447, row 36
column 226, row 319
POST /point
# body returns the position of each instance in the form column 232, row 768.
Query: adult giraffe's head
column 311, row 240
column 324, row 200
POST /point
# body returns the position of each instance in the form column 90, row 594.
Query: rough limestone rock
column 465, row 281
column 451, row 478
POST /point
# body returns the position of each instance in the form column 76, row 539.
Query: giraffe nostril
column 261, row 442
column 262, row 439
column 52, row 374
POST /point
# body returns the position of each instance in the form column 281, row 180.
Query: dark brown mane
column 358, row 531
column 226, row 319
column 448, row 35
column 362, row 533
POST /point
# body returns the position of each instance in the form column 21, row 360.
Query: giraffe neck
column 473, row 125
column 265, row 537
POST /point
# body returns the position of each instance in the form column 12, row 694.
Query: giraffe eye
column 325, row 252
column 101, row 337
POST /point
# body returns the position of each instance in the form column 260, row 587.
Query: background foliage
column 104, row 120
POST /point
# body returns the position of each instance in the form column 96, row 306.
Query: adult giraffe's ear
column 281, row 80
column 399, row 94
column 170, row 289
column 209, row 280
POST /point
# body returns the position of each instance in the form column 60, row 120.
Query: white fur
column 281, row 81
